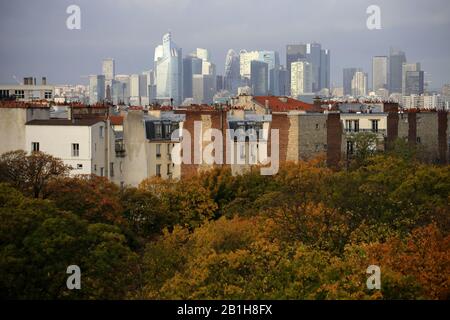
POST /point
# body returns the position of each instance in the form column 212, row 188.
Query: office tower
column 396, row 60
column 294, row 52
column 282, row 80
column 379, row 73
column 414, row 83
column 301, row 78
column 203, row 87
column 259, row 78
column 169, row 70
column 348, row 74
column 202, row 54
column 151, row 85
column 313, row 56
column 325, row 69
column 220, row 83
column 232, row 72
column 271, row 58
column 108, row 69
column 406, row 67
column 191, row 66
column 96, row 89
column 134, row 86
column 359, row 84
column 245, row 63
column 121, row 89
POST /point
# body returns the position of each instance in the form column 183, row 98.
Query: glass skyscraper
column 169, row 69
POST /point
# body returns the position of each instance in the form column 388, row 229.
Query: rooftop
column 284, row 104
column 64, row 122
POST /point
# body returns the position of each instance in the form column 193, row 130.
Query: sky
column 36, row 42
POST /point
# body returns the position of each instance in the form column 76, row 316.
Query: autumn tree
column 38, row 242
column 91, row 197
column 30, row 173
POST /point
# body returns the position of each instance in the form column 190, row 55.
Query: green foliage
column 39, row 242
column 306, row 233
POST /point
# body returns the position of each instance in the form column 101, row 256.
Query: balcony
column 377, row 131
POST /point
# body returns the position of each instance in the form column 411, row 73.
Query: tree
column 365, row 144
column 38, row 242
column 188, row 200
column 30, row 173
column 146, row 214
column 93, row 198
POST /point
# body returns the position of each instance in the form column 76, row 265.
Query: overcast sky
column 36, row 42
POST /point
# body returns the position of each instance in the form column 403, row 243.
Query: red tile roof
column 24, row 105
column 284, row 104
column 116, row 120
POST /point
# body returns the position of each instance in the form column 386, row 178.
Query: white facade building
column 87, row 145
column 359, row 84
column 301, row 78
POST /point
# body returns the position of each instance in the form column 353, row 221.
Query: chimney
column 267, row 104
column 34, row 81
column 44, row 81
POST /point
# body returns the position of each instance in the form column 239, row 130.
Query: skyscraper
column 191, row 66
column 301, row 78
column 259, row 78
column 313, row 56
column 108, row 69
column 294, row 52
column 379, row 73
column 325, row 69
column 359, row 84
column 271, row 58
column 348, row 74
column 396, row 60
column 407, row 67
column 414, row 83
column 169, row 70
column 232, row 72
column 203, row 87
column 96, row 89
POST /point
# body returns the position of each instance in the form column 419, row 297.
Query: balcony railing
column 379, row 131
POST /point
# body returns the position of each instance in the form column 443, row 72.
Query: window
column 19, row 94
column 158, row 150
column 158, row 130
column 47, row 94
column 167, row 130
column 101, row 133
column 75, row 149
column 352, row 125
column 168, row 169
column 102, row 173
column 95, row 168
column 35, row 146
column 79, row 166
column 158, row 170
column 418, row 139
column 374, row 125
column 111, row 169
column 317, row 126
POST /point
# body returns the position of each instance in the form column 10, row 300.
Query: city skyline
column 68, row 56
